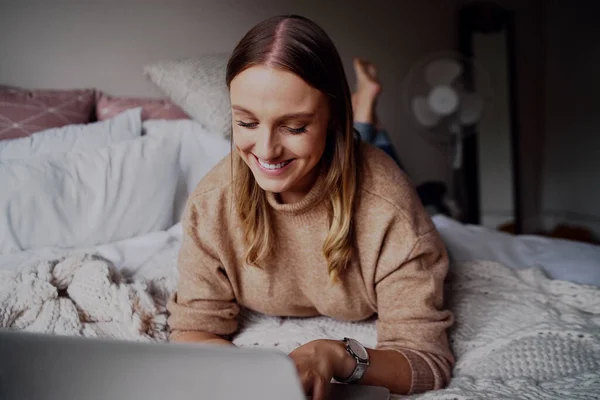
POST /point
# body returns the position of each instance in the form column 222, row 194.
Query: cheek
column 242, row 141
column 313, row 146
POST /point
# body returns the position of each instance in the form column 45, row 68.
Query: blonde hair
column 300, row 46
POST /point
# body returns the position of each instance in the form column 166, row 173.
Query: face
column 279, row 129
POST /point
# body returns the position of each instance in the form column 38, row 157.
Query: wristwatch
column 360, row 354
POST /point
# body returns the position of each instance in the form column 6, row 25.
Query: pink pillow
column 108, row 107
column 24, row 112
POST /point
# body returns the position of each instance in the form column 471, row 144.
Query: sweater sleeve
column 411, row 318
column 204, row 299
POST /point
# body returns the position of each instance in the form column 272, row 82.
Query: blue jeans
column 378, row 138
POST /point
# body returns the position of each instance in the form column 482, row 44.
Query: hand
column 317, row 362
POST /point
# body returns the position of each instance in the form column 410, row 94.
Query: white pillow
column 125, row 126
column 91, row 197
column 200, row 152
column 198, row 86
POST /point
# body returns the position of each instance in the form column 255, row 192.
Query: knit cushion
column 198, row 86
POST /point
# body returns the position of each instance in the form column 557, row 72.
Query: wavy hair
column 298, row 45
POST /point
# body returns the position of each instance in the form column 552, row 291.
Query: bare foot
column 366, row 78
column 367, row 91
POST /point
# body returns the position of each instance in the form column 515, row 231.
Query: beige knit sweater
column 398, row 271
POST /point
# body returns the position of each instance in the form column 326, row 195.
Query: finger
column 307, row 383
column 319, row 389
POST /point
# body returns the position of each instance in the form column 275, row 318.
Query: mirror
column 490, row 156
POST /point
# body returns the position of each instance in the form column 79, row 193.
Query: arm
column 327, row 358
column 412, row 355
column 198, row 337
column 412, row 321
column 387, row 368
column 203, row 309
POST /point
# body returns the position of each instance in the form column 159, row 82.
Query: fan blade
column 471, row 108
column 424, row 115
column 442, row 72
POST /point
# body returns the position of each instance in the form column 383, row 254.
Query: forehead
column 273, row 91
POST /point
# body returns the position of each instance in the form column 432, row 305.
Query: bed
column 518, row 333
column 527, row 308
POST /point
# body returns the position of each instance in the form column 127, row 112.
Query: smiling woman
column 281, row 147
column 304, row 219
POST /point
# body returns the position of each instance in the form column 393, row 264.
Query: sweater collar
column 308, row 202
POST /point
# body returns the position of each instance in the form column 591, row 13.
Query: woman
column 303, row 219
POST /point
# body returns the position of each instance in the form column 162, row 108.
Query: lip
column 272, row 172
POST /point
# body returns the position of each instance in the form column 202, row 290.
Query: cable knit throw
column 82, row 295
column 518, row 335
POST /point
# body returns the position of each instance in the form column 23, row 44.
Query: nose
column 267, row 146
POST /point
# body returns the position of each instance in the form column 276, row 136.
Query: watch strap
column 359, row 370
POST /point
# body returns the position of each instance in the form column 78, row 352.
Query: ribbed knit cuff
column 422, row 375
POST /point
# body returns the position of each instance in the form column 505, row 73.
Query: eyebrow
column 286, row 116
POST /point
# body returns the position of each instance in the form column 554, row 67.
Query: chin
column 270, row 185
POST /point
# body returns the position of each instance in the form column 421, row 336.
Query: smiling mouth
column 273, row 166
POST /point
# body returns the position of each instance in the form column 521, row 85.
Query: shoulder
column 214, row 189
column 392, row 226
column 208, row 215
column 386, row 189
column 219, row 177
column 380, row 172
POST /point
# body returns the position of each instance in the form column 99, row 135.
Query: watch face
column 358, row 349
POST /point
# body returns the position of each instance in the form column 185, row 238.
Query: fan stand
column 457, row 189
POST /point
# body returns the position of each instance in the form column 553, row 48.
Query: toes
column 359, row 69
column 372, row 70
column 365, row 70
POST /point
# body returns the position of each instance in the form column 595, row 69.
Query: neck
column 300, row 190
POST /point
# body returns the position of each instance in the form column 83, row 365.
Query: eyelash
column 252, row 125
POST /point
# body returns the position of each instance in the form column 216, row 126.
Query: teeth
column 273, row 166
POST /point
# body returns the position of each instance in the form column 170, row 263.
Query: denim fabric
column 378, row 138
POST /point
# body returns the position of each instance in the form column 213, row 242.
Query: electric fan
column 444, row 96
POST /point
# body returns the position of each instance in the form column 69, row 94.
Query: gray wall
column 105, row 44
column 571, row 191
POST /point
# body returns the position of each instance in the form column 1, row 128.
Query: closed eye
column 252, row 125
column 296, row 130
column 249, row 125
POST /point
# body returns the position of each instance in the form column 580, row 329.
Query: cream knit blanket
column 518, row 335
column 80, row 295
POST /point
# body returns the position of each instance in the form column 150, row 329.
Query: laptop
column 47, row 367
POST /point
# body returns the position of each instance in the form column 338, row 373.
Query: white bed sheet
column 130, row 255
column 560, row 259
